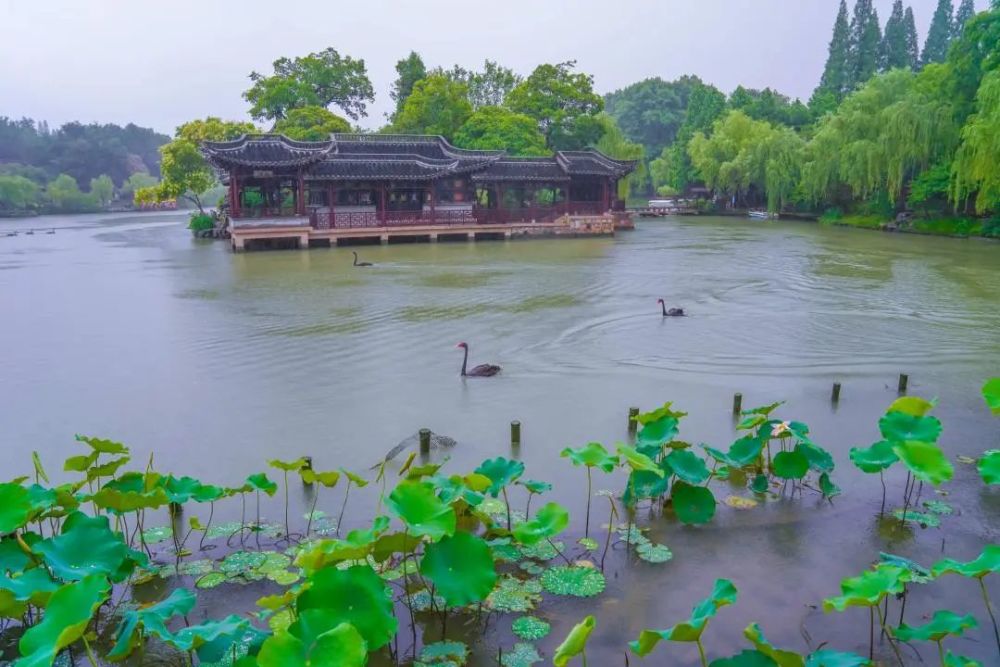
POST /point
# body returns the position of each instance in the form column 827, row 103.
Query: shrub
column 201, row 222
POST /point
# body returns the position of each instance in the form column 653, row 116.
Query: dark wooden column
column 430, row 193
column 381, row 202
column 234, row 205
column 605, row 192
column 300, row 196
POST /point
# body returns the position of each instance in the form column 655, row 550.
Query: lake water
column 124, row 326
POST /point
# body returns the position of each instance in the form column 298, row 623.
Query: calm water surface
column 124, row 326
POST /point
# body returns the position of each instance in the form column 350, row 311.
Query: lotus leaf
column 422, row 511
column 456, row 487
column 750, row 422
column 573, row 580
column 943, row 623
column 953, row 660
column 103, row 446
column 780, row 657
column 911, row 405
column 86, row 546
column 179, row 489
column 665, row 410
column 819, row 459
column 764, row 410
column 643, row 484
column 759, row 484
column 915, row 572
column 867, row 589
column 211, row 580
column 522, row 655
column 207, row 493
column 287, row 466
column 213, row 640
column 592, row 455
column 988, row 561
column 723, row 594
column 827, row 487
column 316, row 640
column 991, row 394
column 242, row 562
column 575, row 642
column 588, row 543
column 829, row 658
column 157, row 534
column 694, row 505
column 688, row 466
column 66, row 618
column 637, row 461
column 393, row 543
column 632, row 535
column 899, row 427
column 34, row 585
column 445, row 653
column 874, row 459
column 654, row 553
column 196, row 567
column 356, row 595
column 356, row 480
column 741, row 503
column 531, row 567
column 502, row 472
column 460, row 567
column 989, row 466
column 328, row 479
column 542, row 551
column 80, row 463
column 153, row 620
column 12, row 556
column 658, row 432
column 550, row 520
column 791, row 465
column 746, row 658
column 531, row 628
column 122, row 500
column 421, row 601
column 745, row 451
column 108, row 469
column 925, row 460
column 938, row 507
column 535, row 486
column 15, row 507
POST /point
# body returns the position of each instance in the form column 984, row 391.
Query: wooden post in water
column 903, row 381
column 835, row 396
column 737, row 403
column 175, row 508
column 633, row 420
column 515, row 433
column 425, row 441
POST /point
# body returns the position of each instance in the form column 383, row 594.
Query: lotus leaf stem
column 586, row 530
column 211, row 513
column 701, row 653
column 871, row 633
column 895, row 649
column 611, row 523
column 312, row 510
column 940, row 652
column 902, row 607
column 881, row 477
column 989, row 610
column 90, row 652
column 504, row 491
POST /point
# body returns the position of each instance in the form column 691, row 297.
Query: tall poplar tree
column 912, row 41
column 865, row 40
column 409, row 70
column 966, row 10
column 939, row 34
column 893, row 53
column 835, row 81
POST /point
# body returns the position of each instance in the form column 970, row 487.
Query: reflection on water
column 125, row 327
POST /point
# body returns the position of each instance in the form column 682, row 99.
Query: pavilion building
column 288, row 193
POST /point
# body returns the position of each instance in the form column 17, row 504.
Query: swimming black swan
column 357, row 263
column 672, row 312
column 480, row 371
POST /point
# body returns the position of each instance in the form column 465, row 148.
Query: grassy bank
column 962, row 227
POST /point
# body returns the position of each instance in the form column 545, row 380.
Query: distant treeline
column 75, row 168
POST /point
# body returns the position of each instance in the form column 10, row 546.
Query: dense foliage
column 496, row 128
column 311, row 124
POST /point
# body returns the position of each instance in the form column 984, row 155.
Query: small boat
column 757, row 214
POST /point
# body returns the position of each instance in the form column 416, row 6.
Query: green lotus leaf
column 688, row 466
column 925, row 460
column 86, row 546
column 356, row 480
column 531, row 628
column 287, row 466
column 67, row 616
column 693, row 505
column 103, row 446
column 658, row 432
column 34, row 585
column 457, row 487
column 988, row 561
column 759, row 484
column 953, row 660
column 989, row 466
column 80, row 463
column 943, row 623
column 460, row 567
column 213, row 640
column 211, row 580
column 444, row 653
column 750, row 422
column 341, row 646
column 899, row 427
column 637, row 461
column 522, row 655
column 502, row 472
column 357, row 545
column 108, row 469
column 991, row 394
column 745, row 451
column 421, row 510
column 393, row 543
column 924, row 519
column 780, row 657
column 820, row 460
column 915, row 572
column 13, row 558
column 592, row 455
column 356, row 595
column 827, row 487
column 913, row 406
column 938, row 507
column 513, row 595
column 654, row 553
column 260, row 482
column 535, row 486
column 719, row 455
column 153, row 620
column 575, row 580
column 643, row 484
column 131, row 492
column 830, row 658
column 328, row 479
column 790, row 465
column 575, row 642
column 548, row 522
column 874, row 459
column 724, row 593
column 746, row 658
column 665, row 410
column 867, row 589
column 179, row 489
column 241, row 562
column 15, row 507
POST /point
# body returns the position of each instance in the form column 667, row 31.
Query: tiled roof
column 522, row 169
column 593, row 163
column 265, row 150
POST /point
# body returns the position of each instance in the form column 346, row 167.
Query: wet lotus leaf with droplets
column 241, row 562
column 356, row 595
column 938, row 507
column 531, row 568
column 654, row 553
column 513, row 595
column 741, row 503
column 280, row 621
column 573, row 580
column 746, row 658
column 274, row 561
column 522, row 655
column 437, row 653
column 790, row 465
column 504, row 550
column 900, row 427
column 421, row 601
column 211, row 580
column 986, row 562
column 989, row 466
column 34, row 585
column 632, row 535
column 830, row 658
column 780, row 657
column 954, row 660
column 196, row 567
column 588, row 543
column 575, row 642
column 460, row 567
column 223, row 530
column 283, row 577
column 688, row 466
column 591, row 455
column 501, row 471
column 925, row 460
column 915, row 572
column 530, row 628
column 550, row 520
column 157, row 534
column 422, row 511
column 943, row 623
column 694, row 505
column 66, row 618
column 723, row 593
column 542, row 551
column 868, row 588
column 873, row 459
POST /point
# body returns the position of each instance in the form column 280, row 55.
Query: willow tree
column 976, row 168
column 896, row 125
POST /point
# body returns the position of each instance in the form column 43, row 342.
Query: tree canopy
column 409, row 70
column 939, row 34
column 564, row 104
column 488, row 87
column 320, row 79
column 437, row 105
column 651, row 111
column 311, row 124
column 495, row 128
column 673, row 168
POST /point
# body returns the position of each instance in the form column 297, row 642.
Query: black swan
column 480, row 371
column 357, row 263
column 672, row 312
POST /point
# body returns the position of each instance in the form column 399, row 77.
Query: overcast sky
column 160, row 64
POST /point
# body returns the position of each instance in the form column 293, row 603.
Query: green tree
column 437, row 105
column 966, row 10
column 494, row 128
column 409, row 70
column 977, row 169
column 836, row 79
column 564, row 104
column 673, row 168
column 865, row 38
column 318, row 79
column 651, row 111
column 65, row 195
column 18, row 193
column 912, row 40
column 970, row 57
column 939, row 34
column 103, row 189
column 136, row 181
column 614, row 143
column 894, row 52
column 931, row 188
column 487, row 88
column 771, row 106
column 311, row 124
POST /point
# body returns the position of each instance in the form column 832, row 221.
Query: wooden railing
column 267, row 211
column 334, row 219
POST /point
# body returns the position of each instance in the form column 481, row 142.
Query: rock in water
column 437, row 442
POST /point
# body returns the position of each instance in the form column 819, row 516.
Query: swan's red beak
column 460, row 345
